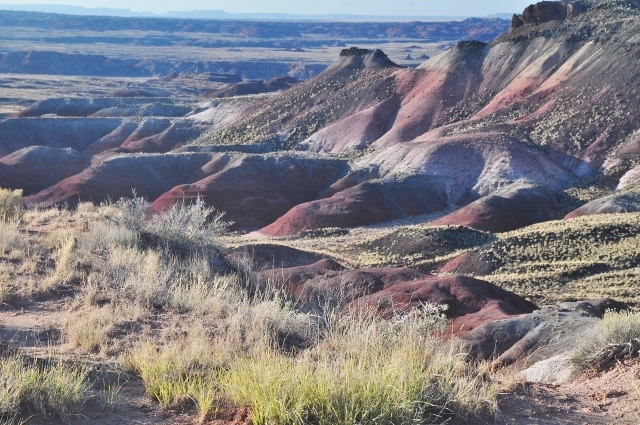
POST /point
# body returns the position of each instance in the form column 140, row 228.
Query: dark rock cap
column 546, row 11
column 356, row 51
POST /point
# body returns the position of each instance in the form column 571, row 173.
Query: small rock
column 555, row 370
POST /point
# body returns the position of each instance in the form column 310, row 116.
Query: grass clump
column 14, row 244
column 11, row 205
column 616, row 338
column 183, row 372
column 362, row 372
column 52, row 390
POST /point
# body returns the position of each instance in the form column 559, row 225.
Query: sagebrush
column 11, row 205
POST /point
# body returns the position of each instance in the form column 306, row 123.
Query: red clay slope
column 254, row 190
column 471, row 302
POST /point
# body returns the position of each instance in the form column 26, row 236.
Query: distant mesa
column 470, row 46
column 223, row 78
column 377, row 55
column 366, row 57
column 356, row 51
column 132, row 93
column 254, row 87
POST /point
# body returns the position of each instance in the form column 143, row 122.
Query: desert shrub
column 155, row 279
column 616, row 338
column 53, row 390
column 131, row 213
column 11, row 205
column 95, row 329
column 183, row 228
column 102, row 237
column 12, row 241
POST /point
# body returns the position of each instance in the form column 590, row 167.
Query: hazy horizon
column 326, row 7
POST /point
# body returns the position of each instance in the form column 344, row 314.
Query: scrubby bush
column 616, row 338
column 153, row 279
column 11, row 205
column 12, row 239
column 184, row 227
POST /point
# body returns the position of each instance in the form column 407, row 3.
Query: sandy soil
column 603, row 399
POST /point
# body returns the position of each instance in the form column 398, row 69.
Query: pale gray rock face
column 543, row 334
column 552, row 371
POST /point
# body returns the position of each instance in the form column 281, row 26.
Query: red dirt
column 255, row 191
column 471, row 302
column 608, row 398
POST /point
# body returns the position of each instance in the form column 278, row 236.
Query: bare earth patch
column 607, row 398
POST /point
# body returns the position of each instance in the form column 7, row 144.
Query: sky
column 308, row 7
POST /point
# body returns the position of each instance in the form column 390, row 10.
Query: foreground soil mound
column 471, row 302
column 542, row 334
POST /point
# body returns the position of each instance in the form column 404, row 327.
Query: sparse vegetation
column 424, row 245
column 359, row 371
column 583, row 258
column 617, row 338
column 50, row 389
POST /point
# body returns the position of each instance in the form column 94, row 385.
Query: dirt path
column 609, row 398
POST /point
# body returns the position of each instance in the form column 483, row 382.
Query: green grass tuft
column 617, row 338
column 52, row 390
